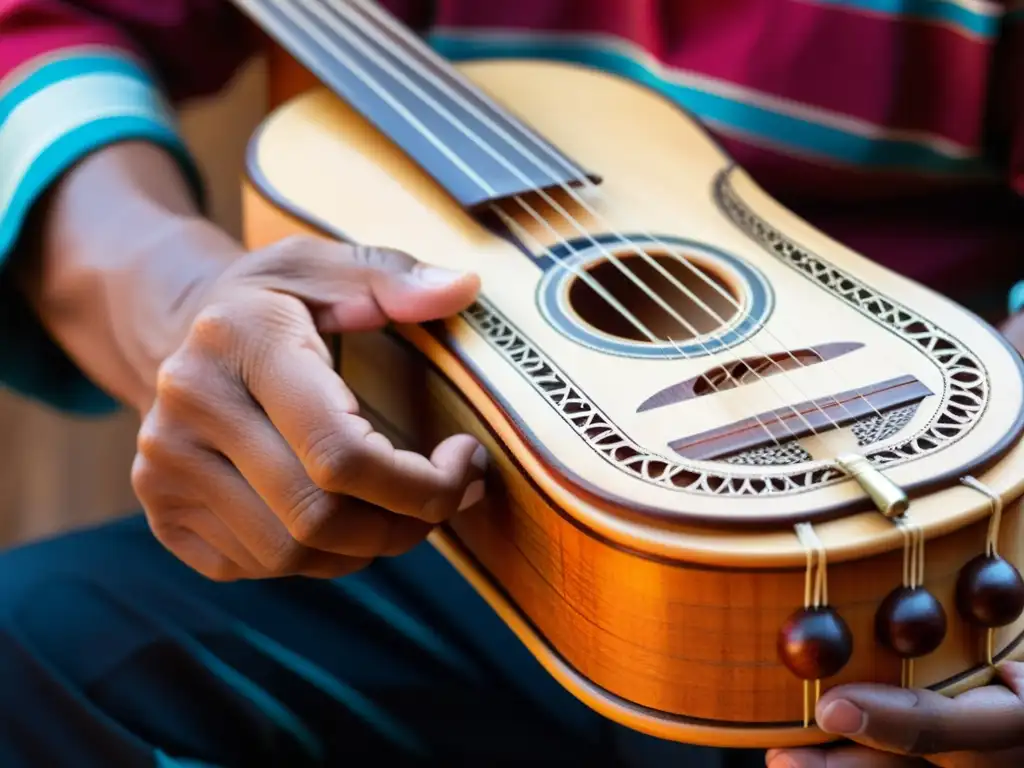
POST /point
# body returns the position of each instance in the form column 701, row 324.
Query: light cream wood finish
column 677, row 618
column 335, row 167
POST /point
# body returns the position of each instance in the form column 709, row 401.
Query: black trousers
column 114, row 654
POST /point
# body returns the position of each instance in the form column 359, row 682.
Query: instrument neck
column 470, row 145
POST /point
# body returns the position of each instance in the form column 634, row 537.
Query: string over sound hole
column 672, row 296
column 651, row 297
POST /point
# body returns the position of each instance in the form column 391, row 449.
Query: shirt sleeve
column 73, row 79
column 1008, row 117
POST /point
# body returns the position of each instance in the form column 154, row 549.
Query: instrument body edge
column 665, row 623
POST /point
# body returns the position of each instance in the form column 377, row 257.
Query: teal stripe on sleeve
column 709, row 102
column 978, row 19
column 51, row 118
column 1017, row 298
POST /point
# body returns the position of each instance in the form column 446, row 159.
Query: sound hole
column 635, row 295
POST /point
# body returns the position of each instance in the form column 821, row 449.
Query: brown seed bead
column 990, row 592
column 910, row 622
column 815, row 643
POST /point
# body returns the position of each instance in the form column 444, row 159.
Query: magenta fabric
column 887, row 68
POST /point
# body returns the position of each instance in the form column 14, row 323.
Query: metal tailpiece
column 888, row 497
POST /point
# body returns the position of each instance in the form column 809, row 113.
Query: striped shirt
column 896, row 126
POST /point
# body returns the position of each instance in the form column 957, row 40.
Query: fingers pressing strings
column 202, row 509
column 346, row 536
column 255, row 484
column 281, row 514
column 168, row 482
column 317, row 415
column 340, row 451
column 295, row 481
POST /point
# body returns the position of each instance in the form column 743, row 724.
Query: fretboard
column 472, row 146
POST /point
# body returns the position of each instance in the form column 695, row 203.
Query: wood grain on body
column 664, row 622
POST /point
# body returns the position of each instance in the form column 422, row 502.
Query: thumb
column 923, row 722
column 355, row 287
column 410, row 291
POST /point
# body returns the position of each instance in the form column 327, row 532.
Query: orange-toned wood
column 286, row 78
column 661, row 622
column 658, row 645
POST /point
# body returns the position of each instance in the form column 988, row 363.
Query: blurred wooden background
column 59, row 472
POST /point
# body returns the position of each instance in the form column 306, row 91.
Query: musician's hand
column 893, row 728
column 253, row 461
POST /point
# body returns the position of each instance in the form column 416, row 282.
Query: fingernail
column 473, row 495
column 782, row 761
column 1011, row 674
column 429, row 275
column 479, row 458
column 842, row 718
